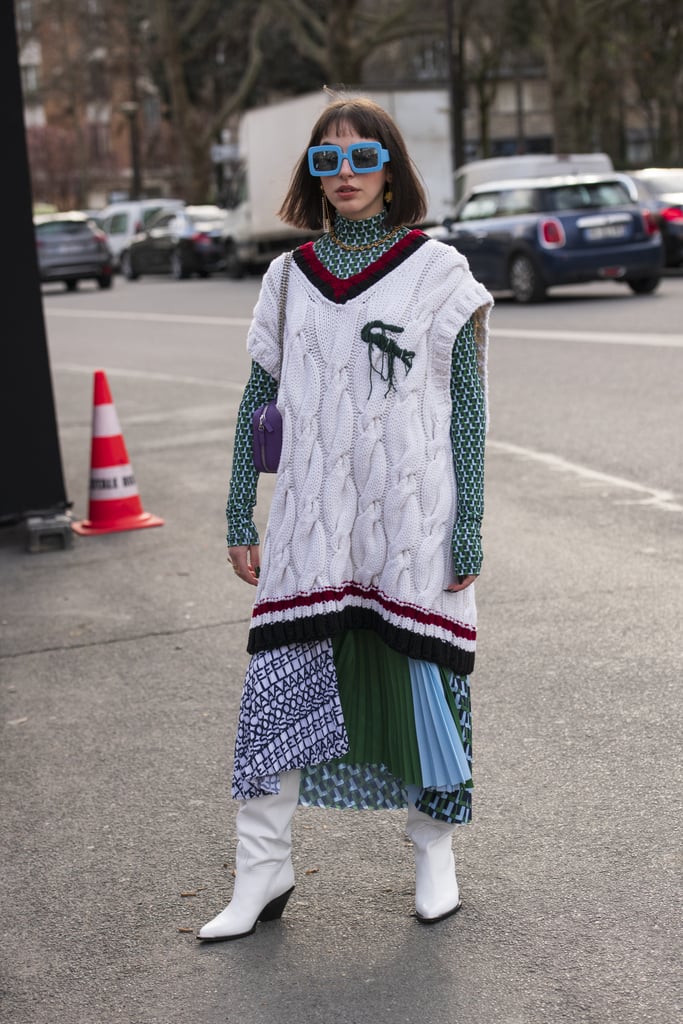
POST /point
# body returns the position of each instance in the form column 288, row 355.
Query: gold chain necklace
column 366, row 245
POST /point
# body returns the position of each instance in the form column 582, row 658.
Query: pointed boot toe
column 440, row 917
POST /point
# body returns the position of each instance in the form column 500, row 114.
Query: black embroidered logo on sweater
column 375, row 334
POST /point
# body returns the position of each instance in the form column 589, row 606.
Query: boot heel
column 273, row 910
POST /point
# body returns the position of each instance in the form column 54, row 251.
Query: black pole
column 131, row 111
column 132, row 108
column 32, row 478
column 456, row 85
column 452, row 95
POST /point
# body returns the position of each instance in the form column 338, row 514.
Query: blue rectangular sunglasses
column 363, row 157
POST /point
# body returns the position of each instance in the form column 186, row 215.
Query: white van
column 528, row 165
column 120, row 221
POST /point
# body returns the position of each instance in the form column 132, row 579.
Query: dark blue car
column 526, row 236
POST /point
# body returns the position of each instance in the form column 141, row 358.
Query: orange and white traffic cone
column 114, row 500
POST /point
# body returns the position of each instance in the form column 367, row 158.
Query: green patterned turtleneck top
column 468, row 421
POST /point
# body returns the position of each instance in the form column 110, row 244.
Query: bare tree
column 194, row 32
column 578, row 37
column 338, row 36
column 488, row 34
column 654, row 45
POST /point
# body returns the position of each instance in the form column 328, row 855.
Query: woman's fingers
column 462, row 584
column 245, row 561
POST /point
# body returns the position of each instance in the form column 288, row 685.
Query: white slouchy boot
column 436, row 888
column 265, row 876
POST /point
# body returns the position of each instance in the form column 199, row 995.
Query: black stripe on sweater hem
column 322, row 627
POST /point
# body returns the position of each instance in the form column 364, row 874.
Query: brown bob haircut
column 302, row 206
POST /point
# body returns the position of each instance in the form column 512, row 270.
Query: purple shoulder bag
column 266, row 420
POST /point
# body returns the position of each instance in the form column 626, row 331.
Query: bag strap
column 284, row 283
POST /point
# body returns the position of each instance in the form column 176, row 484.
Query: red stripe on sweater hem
column 337, row 594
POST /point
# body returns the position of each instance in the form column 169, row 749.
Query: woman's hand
column 462, row 584
column 246, row 562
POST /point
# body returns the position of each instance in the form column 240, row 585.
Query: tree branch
column 193, row 17
column 237, row 100
column 389, row 28
column 303, row 19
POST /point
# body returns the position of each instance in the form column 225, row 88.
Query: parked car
column 122, row 220
column 71, row 248
column 181, row 243
column 528, row 235
column 661, row 188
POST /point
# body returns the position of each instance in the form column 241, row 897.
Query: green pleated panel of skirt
column 377, row 700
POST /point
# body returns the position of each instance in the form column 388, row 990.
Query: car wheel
column 526, row 284
column 105, row 281
column 234, row 267
column 644, row 285
column 71, row 285
column 203, row 273
column 178, row 268
column 127, row 268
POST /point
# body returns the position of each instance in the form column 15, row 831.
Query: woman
column 364, row 625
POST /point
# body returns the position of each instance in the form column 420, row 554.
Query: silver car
column 71, row 248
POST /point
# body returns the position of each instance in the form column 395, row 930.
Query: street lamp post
column 130, row 110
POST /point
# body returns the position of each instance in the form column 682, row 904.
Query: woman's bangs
column 351, row 120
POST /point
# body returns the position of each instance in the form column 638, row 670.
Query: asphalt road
column 122, row 661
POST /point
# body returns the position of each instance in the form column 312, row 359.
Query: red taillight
column 551, row 233
column 672, row 213
column 138, row 227
column 201, row 237
column 650, row 222
column 100, row 235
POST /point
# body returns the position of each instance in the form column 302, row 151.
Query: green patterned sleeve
column 261, row 387
column 468, row 435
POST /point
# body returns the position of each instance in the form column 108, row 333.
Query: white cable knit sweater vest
column 359, row 531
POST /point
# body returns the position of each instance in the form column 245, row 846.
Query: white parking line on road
column 162, row 318
column 522, row 334
column 168, row 378
column 592, row 337
column 652, row 496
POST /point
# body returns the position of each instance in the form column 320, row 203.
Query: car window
column 63, row 227
column 483, row 204
column 161, row 220
column 610, row 193
column 586, row 196
column 149, row 214
column 117, row 224
column 516, row 201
